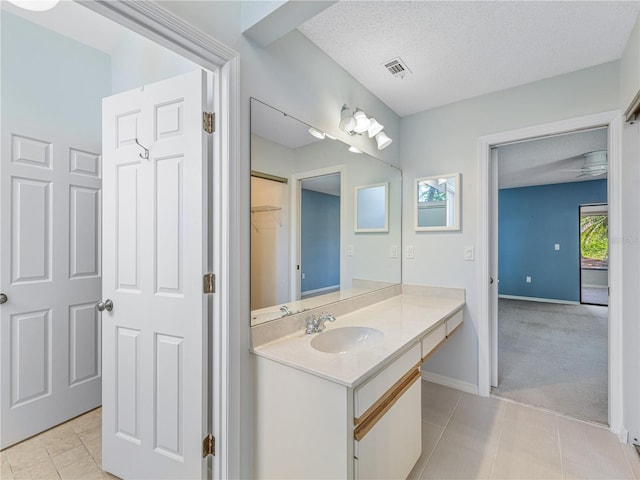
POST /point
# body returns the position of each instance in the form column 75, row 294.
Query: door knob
column 106, row 305
column 3, row 298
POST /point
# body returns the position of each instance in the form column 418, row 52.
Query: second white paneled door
column 155, row 254
column 50, row 274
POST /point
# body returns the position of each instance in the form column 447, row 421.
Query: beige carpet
column 554, row 356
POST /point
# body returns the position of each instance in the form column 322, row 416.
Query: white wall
column 444, row 140
column 136, row 61
column 630, row 68
column 50, row 79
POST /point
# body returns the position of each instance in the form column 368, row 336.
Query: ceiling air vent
column 397, row 67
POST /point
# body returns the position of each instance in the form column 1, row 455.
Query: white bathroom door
column 154, row 257
column 49, row 276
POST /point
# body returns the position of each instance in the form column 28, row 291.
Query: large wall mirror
column 305, row 252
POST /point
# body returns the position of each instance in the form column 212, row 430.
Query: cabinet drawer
column 433, row 339
column 366, row 395
column 454, row 322
column 394, row 444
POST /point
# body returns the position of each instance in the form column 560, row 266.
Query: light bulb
column 383, row 140
column 362, row 122
column 374, row 127
column 347, row 122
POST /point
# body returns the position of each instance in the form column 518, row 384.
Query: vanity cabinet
column 387, row 431
column 351, row 416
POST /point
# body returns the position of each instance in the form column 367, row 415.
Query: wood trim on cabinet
column 368, row 419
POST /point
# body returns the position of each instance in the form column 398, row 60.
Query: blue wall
column 320, row 240
column 531, row 221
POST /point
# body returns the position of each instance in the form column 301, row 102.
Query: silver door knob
column 3, row 298
column 106, row 305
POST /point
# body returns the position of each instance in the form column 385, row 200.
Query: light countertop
column 403, row 320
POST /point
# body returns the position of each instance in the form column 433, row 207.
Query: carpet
column 554, row 356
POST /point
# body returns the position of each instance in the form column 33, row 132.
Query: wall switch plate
column 556, row 246
column 528, row 279
column 469, row 253
column 409, row 251
column 349, row 250
column 394, row 251
column 303, row 276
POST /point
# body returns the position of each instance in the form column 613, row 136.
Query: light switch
column 528, row 279
column 350, row 250
column 303, row 276
column 556, row 246
column 394, row 251
column 469, row 253
column 409, row 251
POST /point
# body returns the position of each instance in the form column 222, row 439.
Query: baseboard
column 320, row 291
column 450, row 382
column 535, row 299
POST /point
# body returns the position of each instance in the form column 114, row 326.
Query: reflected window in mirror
column 437, row 203
column 372, row 208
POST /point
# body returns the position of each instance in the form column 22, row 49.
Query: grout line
column 435, row 446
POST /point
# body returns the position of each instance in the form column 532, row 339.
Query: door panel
column 155, row 338
column 50, row 271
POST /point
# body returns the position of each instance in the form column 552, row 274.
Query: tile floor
column 463, row 437
column 469, row 437
column 72, row 450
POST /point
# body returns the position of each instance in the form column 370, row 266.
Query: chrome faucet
column 284, row 309
column 315, row 323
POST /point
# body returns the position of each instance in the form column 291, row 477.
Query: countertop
column 403, row 320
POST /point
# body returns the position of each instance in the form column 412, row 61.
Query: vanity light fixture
column 357, row 123
column 347, row 121
column 374, row 127
column 35, row 5
column 316, row 133
column 383, row 140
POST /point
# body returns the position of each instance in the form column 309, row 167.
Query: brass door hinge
column 209, row 283
column 209, row 122
column 209, row 446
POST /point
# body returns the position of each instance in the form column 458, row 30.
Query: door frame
column 488, row 192
column 296, row 198
column 170, row 31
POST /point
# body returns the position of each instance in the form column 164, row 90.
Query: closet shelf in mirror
column 266, row 208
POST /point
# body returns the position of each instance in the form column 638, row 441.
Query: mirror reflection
column 372, row 214
column 305, row 252
column 437, row 203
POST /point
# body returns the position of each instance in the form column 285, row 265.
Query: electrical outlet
column 394, row 251
column 528, row 279
column 409, row 251
column 350, row 250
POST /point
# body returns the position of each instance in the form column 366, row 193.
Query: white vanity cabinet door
column 392, row 447
column 454, row 321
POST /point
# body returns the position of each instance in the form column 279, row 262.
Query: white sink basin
column 347, row 339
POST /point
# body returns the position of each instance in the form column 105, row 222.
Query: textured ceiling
column 548, row 160
column 462, row 49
